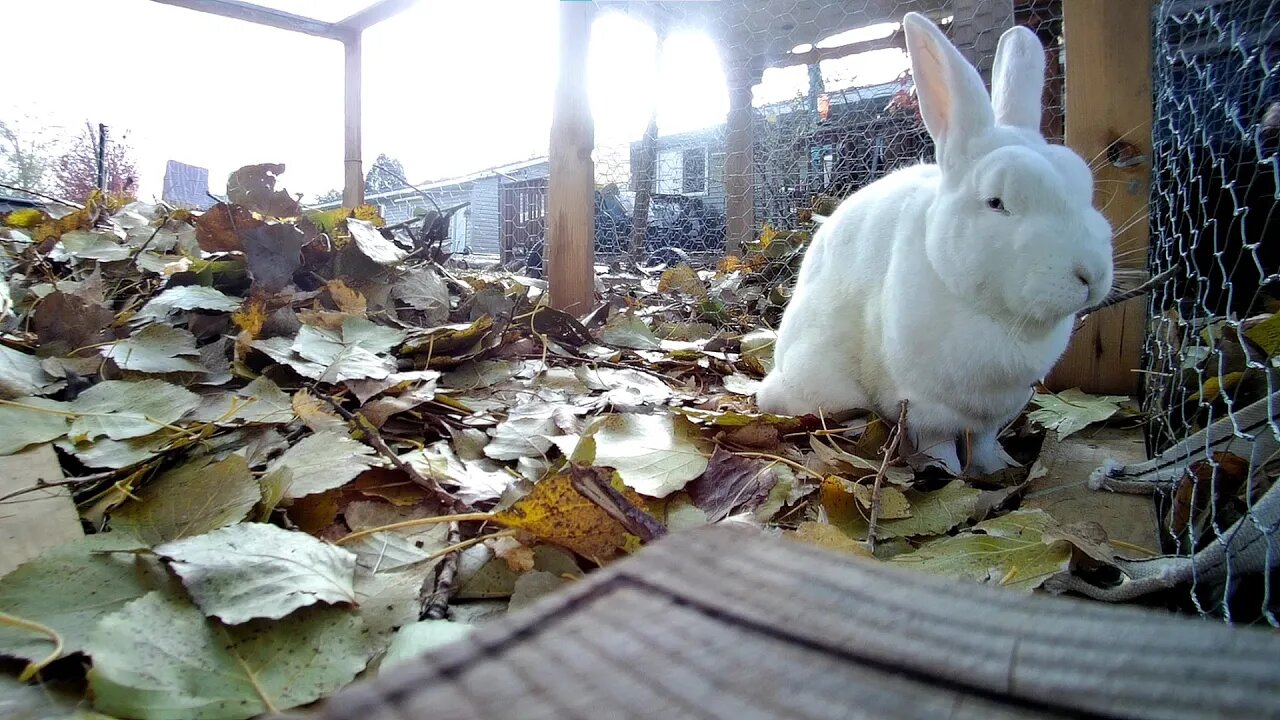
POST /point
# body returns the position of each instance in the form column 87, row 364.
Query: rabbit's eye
column 996, row 204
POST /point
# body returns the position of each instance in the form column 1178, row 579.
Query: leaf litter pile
column 304, row 448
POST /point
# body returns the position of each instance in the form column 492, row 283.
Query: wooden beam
column 374, row 14
column 731, row 621
column 263, row 16
column 1108, row 96
column 570, row 201
column 817, row 54
column 353, row 187
column 739, row 177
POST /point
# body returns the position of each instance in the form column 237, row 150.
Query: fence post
column 353, row 186
column 570, row 201
column 102, row 157
column 739, row 174
column 1108, row 98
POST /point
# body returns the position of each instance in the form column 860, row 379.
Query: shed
column 476, row 228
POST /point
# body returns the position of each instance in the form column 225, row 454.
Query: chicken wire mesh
column 820, row 104
column 1214, row 340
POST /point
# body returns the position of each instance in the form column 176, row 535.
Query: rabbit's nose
column 1084, row 276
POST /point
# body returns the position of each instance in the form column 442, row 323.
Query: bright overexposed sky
column 450, row 86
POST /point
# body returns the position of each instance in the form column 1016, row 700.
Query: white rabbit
column 953, row 286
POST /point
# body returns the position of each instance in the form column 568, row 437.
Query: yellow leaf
column 25, row 218
column 250, row 318
column 369, row 213
column 768, row 235
column 841, row 505
column 684, row 279
column 730, row 263
column 556, row 513
column 829, row 537
column 893, row 504
column 1214, row 386
column 1266, row 335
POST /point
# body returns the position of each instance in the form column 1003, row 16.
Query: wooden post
column 643, row 168
column 739, row 176
column 1108, row 96
column 353, row 188
column 570, row 200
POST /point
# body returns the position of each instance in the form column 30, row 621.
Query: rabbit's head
column 1012, row 229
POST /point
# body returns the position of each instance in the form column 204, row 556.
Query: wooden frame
column 1108, row 90
column 348, row 32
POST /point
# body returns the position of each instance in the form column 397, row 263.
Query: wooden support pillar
column 353, row 186
column 1108, row 97
column 570, row 199
column 739, row 175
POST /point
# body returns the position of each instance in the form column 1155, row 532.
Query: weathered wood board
column 1063, row 491
column 728, row 622
column 37, row 521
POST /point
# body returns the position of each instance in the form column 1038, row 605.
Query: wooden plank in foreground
column 728, row 622
column 37, row 521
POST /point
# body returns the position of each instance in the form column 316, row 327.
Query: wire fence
column 1214, row 340
column 820, row 104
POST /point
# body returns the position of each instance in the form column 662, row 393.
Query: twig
column 139, row 250
column 34, row 667
column 889, row 452
column 778, row 458
column 51, row 198
column 45, row 484
column 417, row 522
column 593, row 484
column 436, row 605
column 375, row 439
column 1132, row 293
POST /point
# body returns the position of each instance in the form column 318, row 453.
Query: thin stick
column 375, row 439
column 457, row 547
column 436, row 605
column 51, row 198
column 417, row 522
column 792, row 463
column 1133, row 293
column 593, row 485
column 34, row 667
column 892, row 448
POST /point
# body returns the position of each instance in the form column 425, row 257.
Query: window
column 682, row 172
column 695, row 171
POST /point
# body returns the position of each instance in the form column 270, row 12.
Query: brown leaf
column 731, row 483
column 219, row 228
column 346, row 299
column 254, row 187
column 757, row 434
column 65, row 323
column 518, row 556
column 391, row 485
column 560, row 326
column 272, row 254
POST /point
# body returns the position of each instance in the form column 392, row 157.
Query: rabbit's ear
column 953, row 101
column 1018, row 79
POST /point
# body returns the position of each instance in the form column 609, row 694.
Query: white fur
column 915, row 289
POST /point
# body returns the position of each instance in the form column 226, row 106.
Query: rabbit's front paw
column 939, row 447
column 986, row 455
